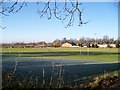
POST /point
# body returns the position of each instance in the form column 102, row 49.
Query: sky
column 27, row 26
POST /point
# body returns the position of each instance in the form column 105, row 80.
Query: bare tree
column 64, row 11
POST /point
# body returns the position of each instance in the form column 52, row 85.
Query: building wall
column 66, row 45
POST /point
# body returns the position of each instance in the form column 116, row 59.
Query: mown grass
column 97, row 58
column 97, row 54
column 59, row 49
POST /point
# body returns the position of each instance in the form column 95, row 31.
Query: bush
column 108, row 46
column 117, row 45
column 96, row 46
column 93, row 46
column 88, row 45
column 81, row 45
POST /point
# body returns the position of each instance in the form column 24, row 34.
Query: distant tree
column 117, row 45
column 111, row 41
column 99, row 41
column 72, row 41
column 92, row 40
column 82, row 40
column 77, row 42
column 106, row 39
column 108, row 46
column 93, row 46
column 88, row 45
column 42, row 44
column 96, row 46
column 88, row 40
column 56, row 43
column 80, row 44
column 64, row 40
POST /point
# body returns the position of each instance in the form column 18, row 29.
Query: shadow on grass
column 56, row 53
column 73, row 74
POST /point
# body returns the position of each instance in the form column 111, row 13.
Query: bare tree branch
column 2, row 27
column 11, row 7
column 64, row 11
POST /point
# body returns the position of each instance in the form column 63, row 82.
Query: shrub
column 81, row 45
column 88, row 45
column 117, row 45
column 96, row 46
column 108, row 46
column 93, row 46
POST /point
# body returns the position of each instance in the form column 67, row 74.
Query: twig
column 26, row 77
column 10, row 76
column 60, row 76
column 51, row 79
column 43, row 72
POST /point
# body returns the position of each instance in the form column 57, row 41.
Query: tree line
column 83, row 41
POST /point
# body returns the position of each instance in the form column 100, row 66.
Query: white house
column 69, row 45
column 112, row 45
column 85, row 46
column 66, row 45
column 102, row 45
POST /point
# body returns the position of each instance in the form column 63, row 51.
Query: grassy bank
column 107, row 80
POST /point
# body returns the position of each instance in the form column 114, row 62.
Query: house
column 112, row 45
column 67, row 44
column 102, row 45
column 85, row 46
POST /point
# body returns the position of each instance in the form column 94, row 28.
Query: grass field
column 97, row 54
column 21, row 73
column 58, row 49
